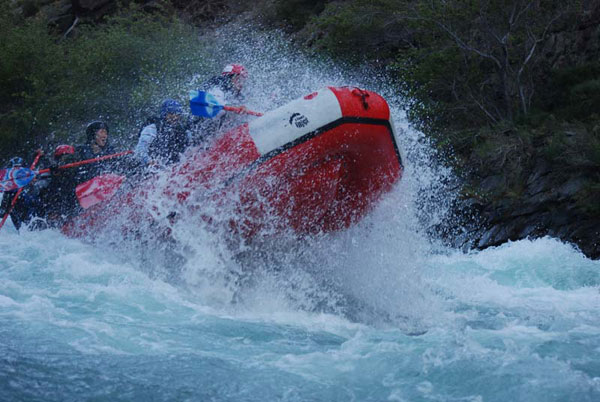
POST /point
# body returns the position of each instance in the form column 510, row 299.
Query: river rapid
column 380, row 312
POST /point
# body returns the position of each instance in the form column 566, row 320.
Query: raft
column 317, row 164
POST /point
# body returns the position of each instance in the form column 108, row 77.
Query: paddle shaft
column 14, row 200
column 87, row 161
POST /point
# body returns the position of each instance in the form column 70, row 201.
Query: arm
column 142, row 148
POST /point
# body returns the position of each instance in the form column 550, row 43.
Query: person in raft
column 28, row 205
column 59, row 196
column 96, row 145
column 48, row 197
column 228, row 89
column 164, row 137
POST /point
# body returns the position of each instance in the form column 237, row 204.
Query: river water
column 519, row 322
column 380, row 312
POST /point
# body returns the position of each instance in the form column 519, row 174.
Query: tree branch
column 71, row 28
column 464, row 46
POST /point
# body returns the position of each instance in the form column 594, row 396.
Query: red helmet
column 235, row 69
column 62, row 150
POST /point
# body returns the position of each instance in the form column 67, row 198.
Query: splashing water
column 377, row 312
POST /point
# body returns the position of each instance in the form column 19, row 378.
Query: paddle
column 23, row 182
column 205, row 104
column 17, row 178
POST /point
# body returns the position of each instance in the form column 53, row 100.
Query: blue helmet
column 170, row 106
column 16, row 161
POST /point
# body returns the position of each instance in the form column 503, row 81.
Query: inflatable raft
column 316, row 164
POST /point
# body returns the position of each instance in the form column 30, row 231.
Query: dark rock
column 543, row 183
column 58, row 14
column 584, row 228
column 559, row 219
column 501, row 233
column 541, row 198
column 526, row 209
column 492, row 184
column 571, row 187
column 541, row 169
column 486, row 239
column 528, row 229
column 562, row 232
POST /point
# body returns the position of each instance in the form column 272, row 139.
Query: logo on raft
column 298, row 120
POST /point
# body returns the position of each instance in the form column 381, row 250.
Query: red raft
column 316, row 164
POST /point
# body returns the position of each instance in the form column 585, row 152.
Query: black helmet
column 93, row 127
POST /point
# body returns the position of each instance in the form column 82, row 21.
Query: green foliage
column 481, row 59
column 565, row 78
column 116, row 71
column 356, row 30
column 554, row 147
column 297, row 12
column 24, row 49
column 573, row 93
column 438, row 82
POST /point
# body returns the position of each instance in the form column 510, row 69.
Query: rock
column 571, row 187
column 526, row 210
column 539, row 184
column 559, row 218
column 58, row 14
column 492, row 184
column 560, row 221
column 542, row 168
column 540, row 198
column 486, row 239
column 528, row 229
column 507, row 231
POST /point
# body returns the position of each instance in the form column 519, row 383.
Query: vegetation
column 50, row 86
column 296, row 13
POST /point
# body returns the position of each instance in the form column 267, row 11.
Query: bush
column 297, row 12
column 357, row 30
column 573, row 93
column 116, row 71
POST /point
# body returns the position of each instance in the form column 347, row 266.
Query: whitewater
column 380, row 312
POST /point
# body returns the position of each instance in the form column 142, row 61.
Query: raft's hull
column 317, row 164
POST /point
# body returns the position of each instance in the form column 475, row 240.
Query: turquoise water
column 519, row 322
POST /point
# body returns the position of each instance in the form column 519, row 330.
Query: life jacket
column 169, row 142
column 90, row 170
column 29, row 205
column 59, row 196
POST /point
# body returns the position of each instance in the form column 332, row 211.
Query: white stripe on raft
column 297, row 118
